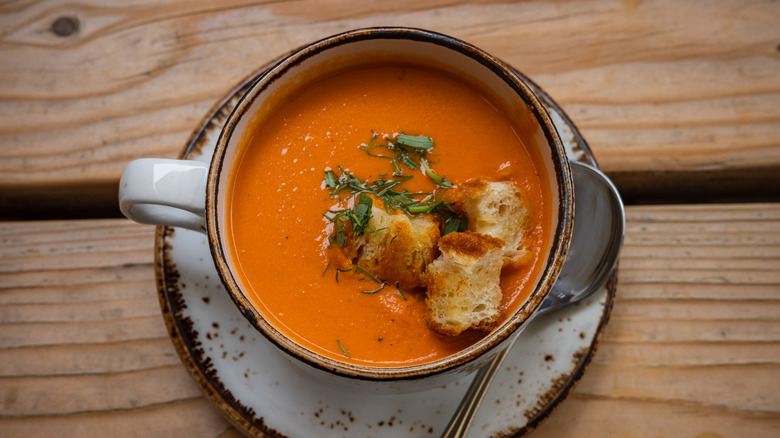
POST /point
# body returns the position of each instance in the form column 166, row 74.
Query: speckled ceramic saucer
column 255, row 388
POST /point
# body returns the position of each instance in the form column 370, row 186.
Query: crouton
column 463, row 283
column 396, row 248
column 498, row 209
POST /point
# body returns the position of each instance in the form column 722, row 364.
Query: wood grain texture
column 692, row 348
column 676, row 99
column 693, row 344
column 83, row 347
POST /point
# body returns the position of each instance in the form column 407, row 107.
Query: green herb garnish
column 404, row 149
column 415, row 141
column 404, row 152
column 330, row 179
column 371, row 292
column 441, row 181
column 455, row 224
column 391, row 194
column 370, row 145
column 341, row 270
column 355, row 218
column 398, row 288
column 361, row 214
column 344, row 350
column 363, row 271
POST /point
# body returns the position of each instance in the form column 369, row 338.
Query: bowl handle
column 160, row 191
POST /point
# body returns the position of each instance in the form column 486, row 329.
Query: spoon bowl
column 597, row 237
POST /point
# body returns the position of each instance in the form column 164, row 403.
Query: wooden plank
column 676, row 100
column 183, row 418
column 83, row 347
column 625, row 417
column 691, row 348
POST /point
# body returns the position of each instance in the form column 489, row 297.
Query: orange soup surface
column 278, row 197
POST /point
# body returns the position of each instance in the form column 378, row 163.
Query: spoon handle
column 464, row 415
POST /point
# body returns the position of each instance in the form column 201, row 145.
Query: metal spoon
column 599, row 226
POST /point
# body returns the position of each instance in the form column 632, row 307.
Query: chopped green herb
column 426, row 208
column 407, row 161
column 368, row 146
column 371, row 292
column 455, row 224
column 387, row 191
column 326, row 267
column 330, row 179
column 341, row 239
column 341, row 270
column 396, row 170
column 398, row 288
column 439, row 180
column 359, row 269
column 356, row 218
column 415, row 141
column 344, row 350
column 403, row 150
column 361, row 214
column 375, row 230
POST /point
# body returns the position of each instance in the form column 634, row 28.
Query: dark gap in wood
column 747, row 185
column 57, row 202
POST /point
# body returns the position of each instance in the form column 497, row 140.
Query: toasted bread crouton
column 463, row 283
column 498, row 209
column 395, row 248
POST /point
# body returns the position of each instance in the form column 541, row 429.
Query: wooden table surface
column 680, row 102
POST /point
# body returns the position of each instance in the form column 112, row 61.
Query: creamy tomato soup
column 282, row 239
